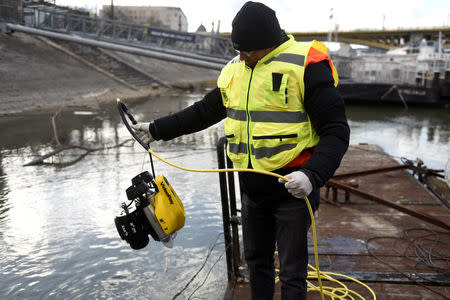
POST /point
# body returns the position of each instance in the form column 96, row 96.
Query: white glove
column 298, row 185
column 143, row 132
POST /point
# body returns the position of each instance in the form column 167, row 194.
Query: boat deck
column 349, row 226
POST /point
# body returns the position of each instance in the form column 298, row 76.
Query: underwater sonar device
column 154, row 208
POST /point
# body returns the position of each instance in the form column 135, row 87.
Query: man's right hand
column 143, row 132
column 298, row 185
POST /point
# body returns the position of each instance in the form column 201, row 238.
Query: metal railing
column 128, row 33
column 179, row 57
column 231, row 220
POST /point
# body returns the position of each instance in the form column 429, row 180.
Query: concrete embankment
column 37, row 74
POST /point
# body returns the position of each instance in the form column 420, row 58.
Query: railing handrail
column 229, row 212
column 50, row 18
column 119, row 22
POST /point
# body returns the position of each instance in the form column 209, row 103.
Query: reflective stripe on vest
column 266, row 152
column 240, row 115
column 259, row 152
column 237, row 148
column 289, row 58
column 268, row 116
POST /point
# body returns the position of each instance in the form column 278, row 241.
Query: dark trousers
column 276, row 220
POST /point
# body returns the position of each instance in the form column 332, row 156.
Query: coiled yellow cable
column 341, row 292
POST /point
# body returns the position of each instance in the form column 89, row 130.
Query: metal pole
column 69, row 21
column 225, row 207
column 37, row 17
column 83, row 26
column 22, row 14
column 234, row 219
column 388, row 203
column 112, row 10
column 382, row 169
column 371, row 171
column 113, row 21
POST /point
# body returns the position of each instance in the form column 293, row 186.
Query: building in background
column 155, row 16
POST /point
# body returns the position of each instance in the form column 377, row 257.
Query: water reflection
column 57, row 236
column 412, row 133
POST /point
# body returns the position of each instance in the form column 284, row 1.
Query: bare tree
column 63, row 147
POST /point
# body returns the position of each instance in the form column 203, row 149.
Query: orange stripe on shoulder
column 315, row 56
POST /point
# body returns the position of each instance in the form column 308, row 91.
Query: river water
column 57, row 234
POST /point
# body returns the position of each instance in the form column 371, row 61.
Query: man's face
column 252, row 57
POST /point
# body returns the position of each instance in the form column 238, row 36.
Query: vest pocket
column 223, row 83
column 237, row 149
column 276, row 90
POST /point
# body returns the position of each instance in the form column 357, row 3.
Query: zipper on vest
column 248, row 120
column 267, row 137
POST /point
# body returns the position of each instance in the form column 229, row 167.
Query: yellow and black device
column 154, row 208
column 168, row 210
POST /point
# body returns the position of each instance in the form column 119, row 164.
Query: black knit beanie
column 255, row 27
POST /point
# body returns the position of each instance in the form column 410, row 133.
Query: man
column 283, row 114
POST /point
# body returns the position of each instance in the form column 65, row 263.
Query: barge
column 374, row 222
column 416, row 74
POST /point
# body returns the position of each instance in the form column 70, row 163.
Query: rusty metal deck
column 347, row 223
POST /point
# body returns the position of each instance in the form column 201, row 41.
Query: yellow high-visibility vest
column 266, row 122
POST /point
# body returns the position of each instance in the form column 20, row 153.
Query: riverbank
column 36, row 76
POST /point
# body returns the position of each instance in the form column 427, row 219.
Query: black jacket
column 323, row 104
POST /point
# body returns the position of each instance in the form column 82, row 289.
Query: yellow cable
column 332, row 292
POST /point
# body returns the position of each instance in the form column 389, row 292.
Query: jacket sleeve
column 326, row 110
column 196, row 117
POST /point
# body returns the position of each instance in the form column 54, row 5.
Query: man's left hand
column 143, row 132
column 298, row 185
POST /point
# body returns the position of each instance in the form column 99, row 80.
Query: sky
column 304, row 16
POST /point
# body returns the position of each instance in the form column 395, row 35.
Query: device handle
column 123, row 109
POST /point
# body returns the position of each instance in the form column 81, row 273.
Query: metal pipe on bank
column 116, row 47
column 366, row 195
